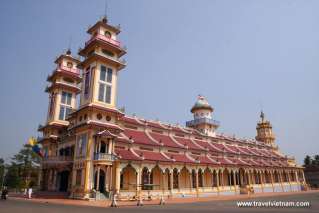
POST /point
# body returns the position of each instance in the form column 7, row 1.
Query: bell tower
column 101, row 65
column 202, row 113
column 96, row 123
column 63, row 88
column 62, row 91
column 264, row 131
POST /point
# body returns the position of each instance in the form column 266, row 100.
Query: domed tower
column 203, row 121
column 264, row 131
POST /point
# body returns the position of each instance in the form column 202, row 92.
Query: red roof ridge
column 163, row 125
column 229, row 149
column 205, row 148
column 137, row 155
column 228, row 160
column 253, row 151
column 152, row 139
column 175, row 141
column 139, row 120
column 192, row 159
column 215, row 147
column 172, row 159
column 181, row 128
column 211, row 159
column 241, row 160
column 242, row 150
column 252, row 160
column 123, row 136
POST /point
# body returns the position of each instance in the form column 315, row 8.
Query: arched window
column 200, row 178
column 193, row 179
column 69, row 64
column 145, row 179
column 107, row 34
column 175, row 179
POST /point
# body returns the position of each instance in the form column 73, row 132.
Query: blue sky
column 241, row 55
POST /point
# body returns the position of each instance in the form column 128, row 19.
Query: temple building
column 92, row 149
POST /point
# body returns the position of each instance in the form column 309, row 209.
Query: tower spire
column 68, row 52
column 262, row 116
column 104, row 19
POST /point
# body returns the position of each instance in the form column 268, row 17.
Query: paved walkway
column 106, row 203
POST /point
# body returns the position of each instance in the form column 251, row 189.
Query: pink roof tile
column 126, row 154
column 165, row 139
column 180, row 157
column 152, row 156
column 139, row 137
column 187, row 142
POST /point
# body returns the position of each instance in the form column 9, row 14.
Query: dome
column 201, row 103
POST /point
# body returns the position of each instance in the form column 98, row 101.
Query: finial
column 104, row 19
column 69, row 44
column 262, row 116
column 68, row 52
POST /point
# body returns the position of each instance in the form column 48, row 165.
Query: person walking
column 30, row 192
column 4, row 193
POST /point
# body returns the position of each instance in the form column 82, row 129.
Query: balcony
column 104, row 156
column 202, row 121
column 104, row 38
column 68, row 69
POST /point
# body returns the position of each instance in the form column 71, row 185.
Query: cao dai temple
column 95, row 150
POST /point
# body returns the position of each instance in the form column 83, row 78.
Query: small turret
column 264, row 131
column 203, row 121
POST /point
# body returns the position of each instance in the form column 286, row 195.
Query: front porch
column 153, row 181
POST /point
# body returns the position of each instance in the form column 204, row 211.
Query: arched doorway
column 102, row 181
column 64, row 181
column 99, row 181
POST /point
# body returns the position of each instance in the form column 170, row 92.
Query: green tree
column 307, row 160
column 12, row 178
column 28, row 166
column 23, row 170
column 315, row 160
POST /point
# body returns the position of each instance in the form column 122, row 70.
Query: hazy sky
column 241, row 55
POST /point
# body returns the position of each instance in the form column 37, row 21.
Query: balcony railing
column 104, row 156
column 69, row 69
column 103, row 38
column 202, row 121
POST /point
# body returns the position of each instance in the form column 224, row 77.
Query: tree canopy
column 23, row 169
column 311, row 161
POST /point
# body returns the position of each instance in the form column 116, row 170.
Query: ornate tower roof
column 202, row 112
column 201, row 103
column 264, row 130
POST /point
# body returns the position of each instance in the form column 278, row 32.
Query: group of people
column 4, row 193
